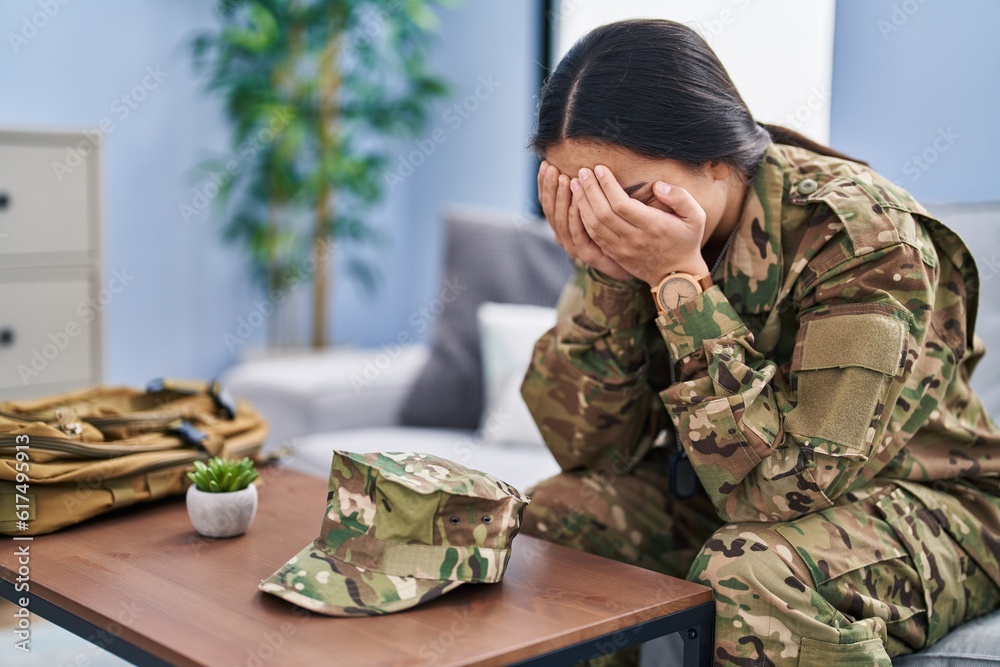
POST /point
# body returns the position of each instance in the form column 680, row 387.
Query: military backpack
column 73, row 456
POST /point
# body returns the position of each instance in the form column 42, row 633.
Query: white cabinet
column 50, row 263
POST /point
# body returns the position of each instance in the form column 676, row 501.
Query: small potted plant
column 222, row 502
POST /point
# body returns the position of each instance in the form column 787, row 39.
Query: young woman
column 759, row 375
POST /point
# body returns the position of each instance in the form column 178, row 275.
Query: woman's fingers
column 548, row 191
column 555, row 197
column 594, row 207
column 611, row 203
column 565, row 205
column 679, row 201
column 603, row 224
column 583, row 246
column 561, row 213
column 596, row 230
column 541, row 178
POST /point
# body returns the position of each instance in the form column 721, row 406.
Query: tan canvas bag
column 72, row 456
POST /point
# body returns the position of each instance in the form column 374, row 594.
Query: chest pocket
column 844, row 362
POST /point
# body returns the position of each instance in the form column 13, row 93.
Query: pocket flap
column 870, row 340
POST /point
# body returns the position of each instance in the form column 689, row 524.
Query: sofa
column 427, row 396
column 456, row 395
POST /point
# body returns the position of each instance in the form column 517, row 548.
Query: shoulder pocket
column 871, row 219
column 844, row 363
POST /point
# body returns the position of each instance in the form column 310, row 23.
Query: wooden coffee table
column 143, row 585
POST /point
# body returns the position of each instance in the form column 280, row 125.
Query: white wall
column 779, row 53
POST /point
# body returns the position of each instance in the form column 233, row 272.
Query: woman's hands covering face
column 563, row 213
column 645, row 241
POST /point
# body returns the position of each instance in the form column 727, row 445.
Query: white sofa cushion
column 317, row 392
column 507, row 336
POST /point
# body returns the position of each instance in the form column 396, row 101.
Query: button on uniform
column 807, row 186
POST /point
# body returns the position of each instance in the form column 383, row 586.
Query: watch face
column 677, row 290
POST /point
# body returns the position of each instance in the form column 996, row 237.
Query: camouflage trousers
column 874, row 576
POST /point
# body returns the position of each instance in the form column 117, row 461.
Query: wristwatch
column 678, row 287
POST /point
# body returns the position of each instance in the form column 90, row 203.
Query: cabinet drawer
column 45, row 208
column 45, row 335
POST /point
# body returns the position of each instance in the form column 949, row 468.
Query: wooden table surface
column 146, row 576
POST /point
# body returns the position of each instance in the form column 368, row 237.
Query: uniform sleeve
column 772, row 443
column 586, row 386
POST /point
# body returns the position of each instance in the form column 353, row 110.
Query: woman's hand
column 646, row 241
column 564, row 216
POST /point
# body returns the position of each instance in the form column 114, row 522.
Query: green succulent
column 223, row 475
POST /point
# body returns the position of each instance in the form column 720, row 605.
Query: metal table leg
column 84, row 629
column 696, row 625
column 699, row 641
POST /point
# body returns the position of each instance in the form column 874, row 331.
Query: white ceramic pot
column 222, row 514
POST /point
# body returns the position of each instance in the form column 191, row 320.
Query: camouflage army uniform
column 848, row 508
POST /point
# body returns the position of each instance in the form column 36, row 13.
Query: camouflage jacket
column 835, row 346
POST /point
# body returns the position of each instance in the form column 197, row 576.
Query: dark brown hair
column 655, row 87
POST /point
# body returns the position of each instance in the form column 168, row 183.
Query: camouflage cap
column 401, row 529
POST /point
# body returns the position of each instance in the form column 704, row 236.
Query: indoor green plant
column 315, row 91
column 222, row 499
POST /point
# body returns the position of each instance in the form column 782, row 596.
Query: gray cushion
column 490, row 256
column 975, row 644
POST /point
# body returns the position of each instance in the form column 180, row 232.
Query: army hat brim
column 318, row 581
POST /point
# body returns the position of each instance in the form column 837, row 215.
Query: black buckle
column 681, row 476
column 155, row 386
column 189, row 434
column 224, row 401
